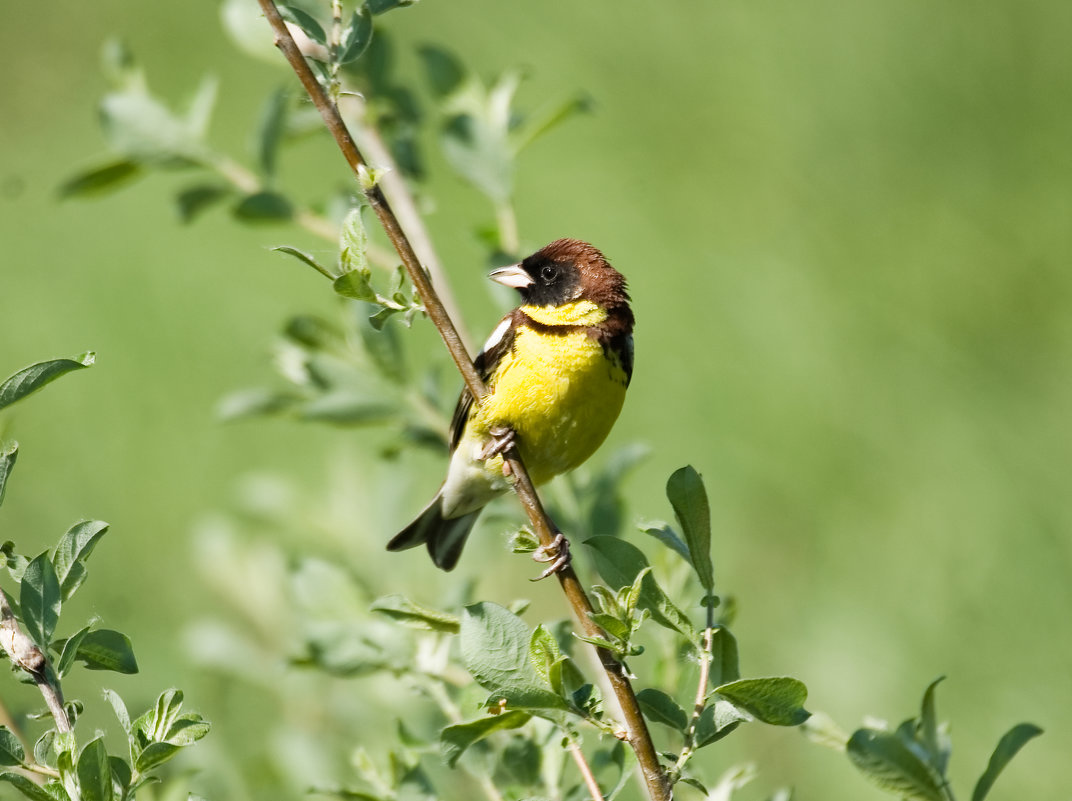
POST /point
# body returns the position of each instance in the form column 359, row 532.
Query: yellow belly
column 560, row 394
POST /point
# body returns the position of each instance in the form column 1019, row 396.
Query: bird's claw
column 557, row 553
column 502, row 439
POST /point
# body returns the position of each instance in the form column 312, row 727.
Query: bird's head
column 565, row 271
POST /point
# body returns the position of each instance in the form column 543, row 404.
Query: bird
column 556, row 370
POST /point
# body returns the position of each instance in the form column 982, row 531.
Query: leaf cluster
column 911, row 761
column 42, row 585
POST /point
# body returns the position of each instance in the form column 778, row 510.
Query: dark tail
column 445, row 537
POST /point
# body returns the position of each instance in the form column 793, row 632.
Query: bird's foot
column 502, row 439
column 557, row 553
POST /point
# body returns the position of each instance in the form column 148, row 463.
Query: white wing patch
column 497, row 335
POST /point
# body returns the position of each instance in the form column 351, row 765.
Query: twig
column 637, row 731
column 586, row 771
column 450, row 711
column 23, row 652
column 394, row 186
column 689, row 745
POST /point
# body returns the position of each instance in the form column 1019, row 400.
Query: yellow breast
column 559, row 392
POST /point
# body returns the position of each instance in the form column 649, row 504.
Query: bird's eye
column 548, row 273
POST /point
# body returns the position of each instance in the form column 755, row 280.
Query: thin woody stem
column 375, row 197
column 701, row 691
column 586, row 771
column 637, row 731
column 435, row 689
column 23, row 652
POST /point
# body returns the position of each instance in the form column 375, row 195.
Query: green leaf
column 193, row 200
column 403, row 610
column 155, row 723
column 313, row 29
column 305, row 257
column 32, row 378
column 383, row 6
column 380, row 318
column 105, row 649
column 543, row 652
column 315, row 333
column 141, row 128
column 30, row 790
column 187, row 729
column 724, row 658
column 73, row 550
column 934, row 739
column 619, row 563
column 718, row 720
column 8, row 455
column 263, row 207
column 155, row 754
column 454, row 740
column 444, row 71
column 346, row 408
column 520, row 761
column 495, row 649
column 101, row 179
column 659, row 707
column 356, row 37
column 928, row 719
column 355, row 285
column 70, row 650
column 531, row 131
column 889, row 763
column 120, row 709
column 668, row 537
column 686, row 493
column 39, row 600
column 199, row 112
column 255, row 402
column 95, row 772
column 273, row 123
column 11, row 750
column 120, row 772
column 353, row 244
column 45, row 749
column 384, row 347
column 1009, row 745
column 778, row 701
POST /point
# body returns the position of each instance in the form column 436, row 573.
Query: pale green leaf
column 1009, row 745
column 32, row 378
column 105, row 649
column 11, row 750
column 8, row 455
column 687, row 495
column 454, row 740
column 39, row 600
column 659, row 707
column 495, row 649
column 95, row 772
column 778, row 701
column 408, row 613
column 101, row 179
column 891, row 765
column 72, row 552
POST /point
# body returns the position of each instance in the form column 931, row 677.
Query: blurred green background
column 847, row 229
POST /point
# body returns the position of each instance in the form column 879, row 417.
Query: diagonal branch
column 24, row 653
column 637, row 731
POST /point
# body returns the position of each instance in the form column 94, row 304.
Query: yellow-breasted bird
column 556, row 369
